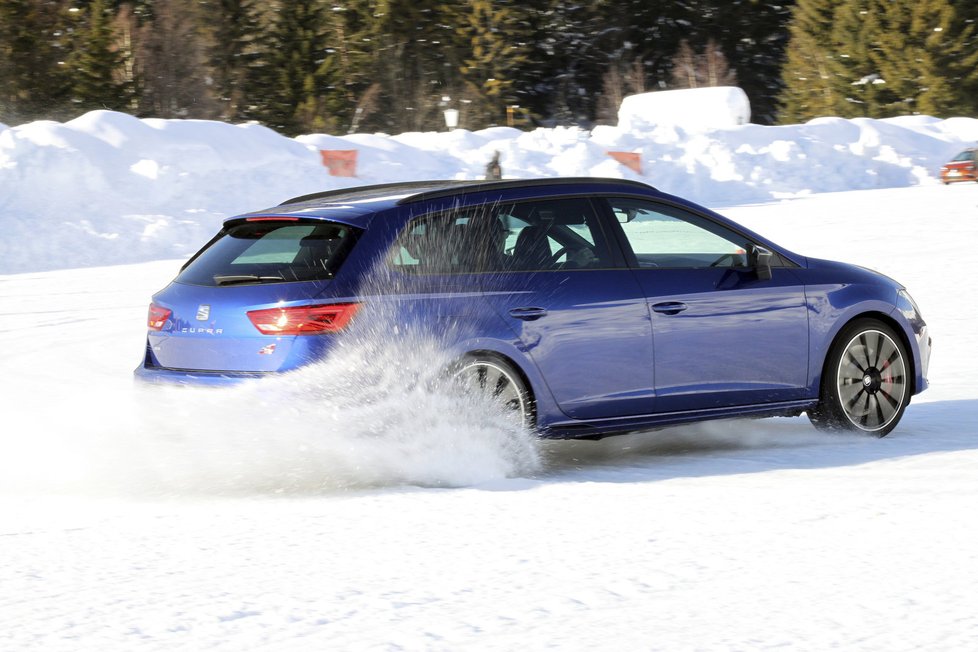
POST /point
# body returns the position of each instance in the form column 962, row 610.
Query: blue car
column 587, row 306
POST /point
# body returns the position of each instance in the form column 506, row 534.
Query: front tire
column 498, row 381
column 866, row 382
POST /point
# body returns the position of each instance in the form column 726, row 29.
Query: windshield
column 271, row 251
column 966, row 155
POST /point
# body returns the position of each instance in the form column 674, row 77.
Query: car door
column 429, row 282
column 723, row 336
column 579, row 313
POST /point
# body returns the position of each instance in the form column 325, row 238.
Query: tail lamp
column 158, row 316
column 304, row 320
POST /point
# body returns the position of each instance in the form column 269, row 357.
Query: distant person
column 494, row 170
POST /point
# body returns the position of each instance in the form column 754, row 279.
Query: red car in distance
column 963, row 167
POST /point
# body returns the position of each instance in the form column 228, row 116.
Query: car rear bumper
column 163, row 376
column 950, row 176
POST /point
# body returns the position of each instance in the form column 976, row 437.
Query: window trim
column 778, row 260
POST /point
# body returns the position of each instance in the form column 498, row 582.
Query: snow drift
column 108, row 188
column 694, row 108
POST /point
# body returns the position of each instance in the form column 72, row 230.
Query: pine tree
column 565, row 70
column 354, row 73
column 34, row 44
column 808, row 88
column 97, row 65
column 965, row 68
column 927, row 56
column 591, row 47
column 882, row 58
column 600, row 47
column 172, row 67
column 289, row 88
column 752, row 36
column 853, row 72
column 496, row 46
column 233, row 28
column 403, row 59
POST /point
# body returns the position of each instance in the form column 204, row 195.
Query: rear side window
column 271, row 252
column 443, row 243
column 538, row 235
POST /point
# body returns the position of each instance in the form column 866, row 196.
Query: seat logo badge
column 203, row 312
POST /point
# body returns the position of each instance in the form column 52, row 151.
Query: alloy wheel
column 499, row 383
column 871, row 380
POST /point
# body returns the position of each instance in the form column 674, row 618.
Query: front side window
column 271, row 252
column 663, row 236
column 550, row 235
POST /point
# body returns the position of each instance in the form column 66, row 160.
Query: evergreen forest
column 307, row 66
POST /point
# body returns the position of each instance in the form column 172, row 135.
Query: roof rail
column 360, row 190
column 434, row 189
column 483, row 186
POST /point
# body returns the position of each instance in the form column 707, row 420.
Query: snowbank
column 691, row 108
column 108, row 188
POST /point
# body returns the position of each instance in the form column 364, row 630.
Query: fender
column 508, row 346
column 835, row 303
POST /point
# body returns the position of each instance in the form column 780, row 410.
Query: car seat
column 532, row 249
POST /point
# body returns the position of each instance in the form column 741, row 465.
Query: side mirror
column 760, row 260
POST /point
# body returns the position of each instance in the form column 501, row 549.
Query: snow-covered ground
column 336, row 509
column 279, row 519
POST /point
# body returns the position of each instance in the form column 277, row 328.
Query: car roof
column 414, row 191
column 353, row 205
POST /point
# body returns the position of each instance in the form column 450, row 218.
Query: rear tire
column 865, row 382
column 498, row 381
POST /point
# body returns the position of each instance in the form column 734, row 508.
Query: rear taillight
column 304, row 320
column 158, row 316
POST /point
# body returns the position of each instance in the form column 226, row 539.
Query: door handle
column 669, row 307
column 528, row 313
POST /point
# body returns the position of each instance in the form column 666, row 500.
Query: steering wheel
column 554, row 257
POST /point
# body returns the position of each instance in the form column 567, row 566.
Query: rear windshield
column 271, row 252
